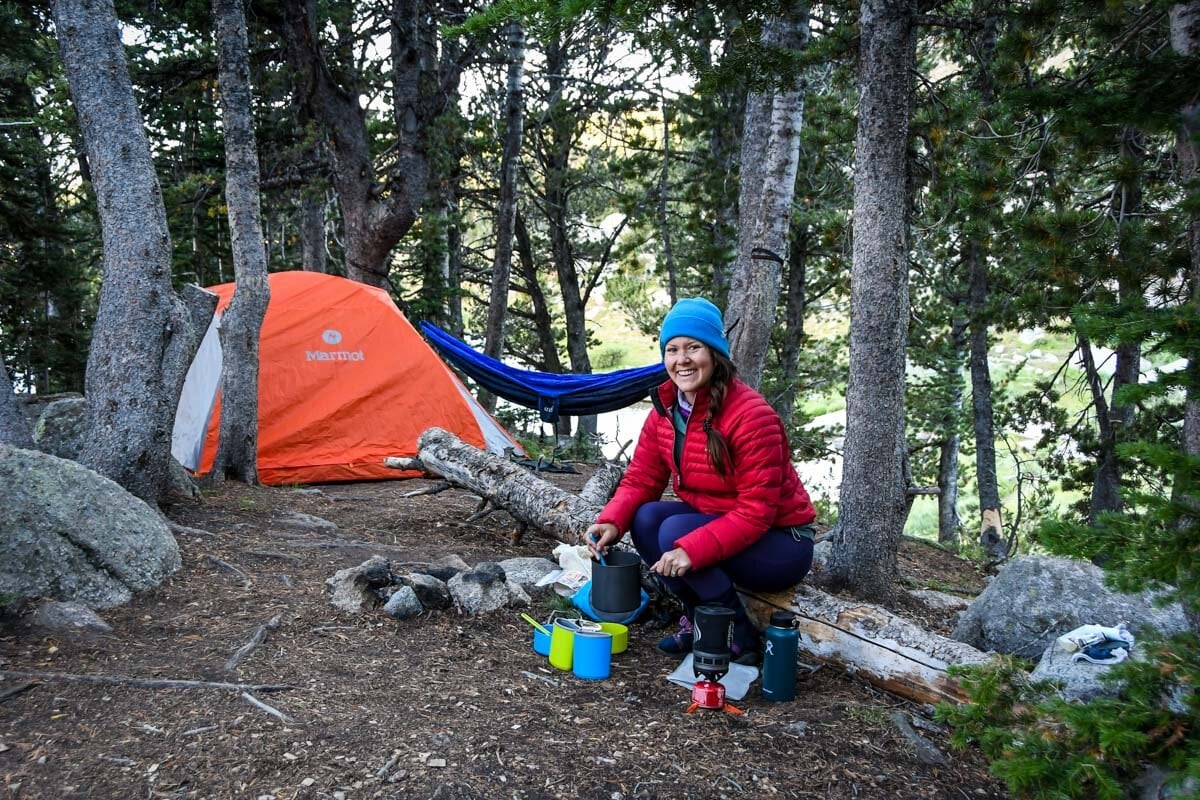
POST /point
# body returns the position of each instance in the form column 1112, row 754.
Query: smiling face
column 689, row 364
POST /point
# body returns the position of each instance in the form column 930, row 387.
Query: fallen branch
column 147, row 683
column 274, row 712
column 13, row 691
column 435, row 489
column 256, row 639
column 334, row 544
column 271, row 554
column 528, row 498
column 405, row 463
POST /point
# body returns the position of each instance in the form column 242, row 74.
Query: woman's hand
column 672, row 564
column 600, row 536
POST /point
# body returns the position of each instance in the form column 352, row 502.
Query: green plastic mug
column 562, row 643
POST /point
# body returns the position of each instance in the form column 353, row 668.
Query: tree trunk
column 313, row 255
column 991, row 528
column 948, row 519
column 1185, row 40
column 793, row 334
column 14, row 427
column 770, row 138
column 237, row 453
column 664, row 196
column 374, row 217
column 142, row 341
column 543, row 323
column 558, row 201
column 873, row 498
column 506, row 213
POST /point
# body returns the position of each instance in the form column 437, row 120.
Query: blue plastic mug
column 541, row 642
column 592, row 659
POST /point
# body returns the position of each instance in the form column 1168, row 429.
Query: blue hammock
column 551, row 395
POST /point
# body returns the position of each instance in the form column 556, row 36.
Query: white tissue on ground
column 736, row 682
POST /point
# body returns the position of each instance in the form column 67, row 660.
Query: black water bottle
column 781, row 640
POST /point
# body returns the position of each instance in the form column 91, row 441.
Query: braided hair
column 719, row 455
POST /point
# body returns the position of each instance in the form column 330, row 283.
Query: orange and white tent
column 344, row 382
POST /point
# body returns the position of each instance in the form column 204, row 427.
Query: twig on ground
column 331, row 544
column 184, row 530
column 257, row 638
column 271, row 554
column 542, row 678
column 391, row 762
column 274, row 712
column 13, row 691
column 435, row 489
column 331, row 628
column 201, row 729
column 146, row 683
column 225, row 566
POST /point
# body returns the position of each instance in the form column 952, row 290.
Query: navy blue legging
column 775, row 561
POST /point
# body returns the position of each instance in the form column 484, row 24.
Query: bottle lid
column 783, row 619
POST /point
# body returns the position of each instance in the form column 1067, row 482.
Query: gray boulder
column 432, row 593
column 527, row 571
column 1036, row 599
column 68, row 619
column 357, row 588
column 1082, row 680
column 60, row 429
column 485, row 589
column 67, row 533
column 403, row 604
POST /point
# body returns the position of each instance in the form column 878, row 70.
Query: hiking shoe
column 679, row 642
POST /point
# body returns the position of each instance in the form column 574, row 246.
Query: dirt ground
column 443, row 706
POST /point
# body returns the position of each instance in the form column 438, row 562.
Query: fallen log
column 524, row 495
column 866, row 640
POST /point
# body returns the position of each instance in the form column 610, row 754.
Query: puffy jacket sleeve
column 756, row 440
column 644, row 480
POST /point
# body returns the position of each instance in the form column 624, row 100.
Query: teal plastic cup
column 541, row 642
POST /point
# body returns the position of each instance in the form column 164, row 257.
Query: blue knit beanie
column 697, row 318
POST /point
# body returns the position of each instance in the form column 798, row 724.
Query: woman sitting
column 742, row 517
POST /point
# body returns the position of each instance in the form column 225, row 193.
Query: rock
column 305, row 522
column 403, row 604
column 526, row 572
column 480, row 591
column 60, row 429
column 486, row 573
column 1156, row 783
column 925, row 751
column 1036, row 599
column 70, row 534
column 1080, row 681
column 356, row 588
column 433, row 594
column 940, row 601
column 443, row 568
column 71, row 619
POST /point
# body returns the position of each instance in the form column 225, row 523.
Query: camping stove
column 710, row 695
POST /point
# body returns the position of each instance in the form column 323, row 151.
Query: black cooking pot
column 617, row 585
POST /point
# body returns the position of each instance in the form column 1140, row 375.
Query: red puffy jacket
column 761, row 491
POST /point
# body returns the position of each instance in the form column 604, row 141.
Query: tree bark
column 664, row 197
column 793, row 334
column 237, row 452
column 14, row 427
column 770, row 138
column 949, row 522
column 313, row 254
column 873, row 498
column 375, row 215
column 558, row 201
column 142, row 341
column 1185, row 41
column 506, row 212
